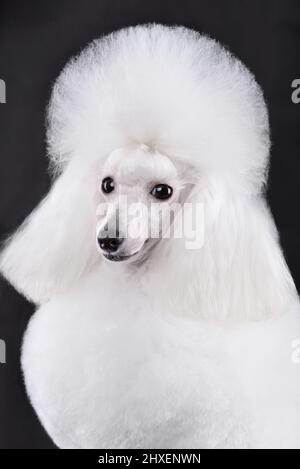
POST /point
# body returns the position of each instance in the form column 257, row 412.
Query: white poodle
column 170, row 347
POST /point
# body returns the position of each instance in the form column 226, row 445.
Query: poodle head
column 140, row 122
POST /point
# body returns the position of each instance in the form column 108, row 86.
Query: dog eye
column 107, row 185
column 162, row 191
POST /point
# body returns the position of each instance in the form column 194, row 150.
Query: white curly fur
column 191, row 348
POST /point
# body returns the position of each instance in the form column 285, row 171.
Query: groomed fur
column 173, row 89
column 165, row 355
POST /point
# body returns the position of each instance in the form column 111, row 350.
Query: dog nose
column 108, row 244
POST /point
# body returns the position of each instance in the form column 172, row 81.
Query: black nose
column 108, row 244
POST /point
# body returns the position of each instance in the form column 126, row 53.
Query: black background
column 37, row 38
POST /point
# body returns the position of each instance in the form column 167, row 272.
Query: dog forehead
column 139, row 163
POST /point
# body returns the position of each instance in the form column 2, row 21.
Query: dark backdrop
column 37, row 38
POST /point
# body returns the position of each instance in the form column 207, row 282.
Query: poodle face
column 140, row 195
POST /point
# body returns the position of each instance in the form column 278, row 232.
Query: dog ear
column 242, row 254
column 238, row 272
column 56, row 243
column 260, row 284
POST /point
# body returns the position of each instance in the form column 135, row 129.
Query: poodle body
column 142, row 378
column 172, row 347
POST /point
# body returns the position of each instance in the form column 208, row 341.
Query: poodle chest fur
column 109, row 372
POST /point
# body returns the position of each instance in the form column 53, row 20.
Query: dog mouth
column 119, row 257
column 125, row 257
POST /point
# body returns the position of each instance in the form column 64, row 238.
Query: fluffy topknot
column 170, row 88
